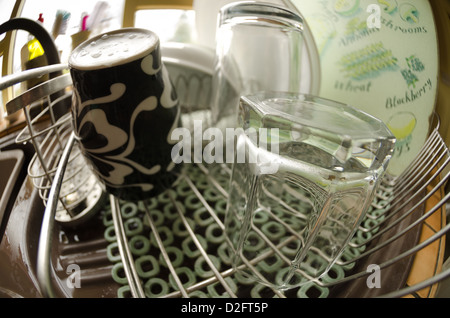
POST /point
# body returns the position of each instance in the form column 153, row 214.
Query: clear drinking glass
column 260, row 46
column 305, row 172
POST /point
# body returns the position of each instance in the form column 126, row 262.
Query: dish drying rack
column 174, row 245
column 80, row 191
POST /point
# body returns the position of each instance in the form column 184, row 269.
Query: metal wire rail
column 435, row 149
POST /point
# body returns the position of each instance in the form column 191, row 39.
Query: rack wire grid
column 174, row 245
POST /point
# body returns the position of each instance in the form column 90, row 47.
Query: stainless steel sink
column 11, row 163
column 22, row 211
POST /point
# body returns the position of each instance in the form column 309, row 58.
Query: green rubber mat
column 190, row 266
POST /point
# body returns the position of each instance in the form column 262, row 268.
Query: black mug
column 124, row 110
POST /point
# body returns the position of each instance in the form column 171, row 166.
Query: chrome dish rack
column 173, row 245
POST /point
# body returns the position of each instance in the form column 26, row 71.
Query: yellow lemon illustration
column 346, row 7
column 402, row 125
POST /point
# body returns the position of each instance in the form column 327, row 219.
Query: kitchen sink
column 84, row 245
column 21, row 214
column 11, row 162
